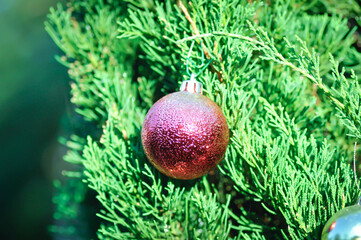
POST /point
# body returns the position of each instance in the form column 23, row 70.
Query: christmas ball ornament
column 185, row 134
column 345, row 224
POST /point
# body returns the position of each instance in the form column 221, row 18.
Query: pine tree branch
column 278, row 57
column 194, row 26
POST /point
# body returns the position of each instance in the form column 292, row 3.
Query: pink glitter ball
column 185, row 135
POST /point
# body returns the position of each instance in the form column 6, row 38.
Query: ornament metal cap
column 192, row 85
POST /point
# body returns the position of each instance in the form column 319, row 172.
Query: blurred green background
column 33, row 99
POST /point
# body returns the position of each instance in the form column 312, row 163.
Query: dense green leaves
column 282, row 74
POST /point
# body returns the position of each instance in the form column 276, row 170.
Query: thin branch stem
column 354, row 166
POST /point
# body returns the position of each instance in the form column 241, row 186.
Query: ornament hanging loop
column 201, row 67
column 192, row 85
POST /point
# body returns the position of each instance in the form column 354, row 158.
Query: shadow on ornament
column 344, row 225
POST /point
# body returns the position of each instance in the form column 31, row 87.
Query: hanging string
column 201, row 67
column 354, row 167
column 354, row 172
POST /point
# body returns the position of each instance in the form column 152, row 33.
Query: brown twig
column 196, row 31
column 315, row 94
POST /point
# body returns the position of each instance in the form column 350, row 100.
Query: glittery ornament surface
column 185, row 135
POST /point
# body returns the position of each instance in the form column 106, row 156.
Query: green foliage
column 284, row 74
column 70, row 215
